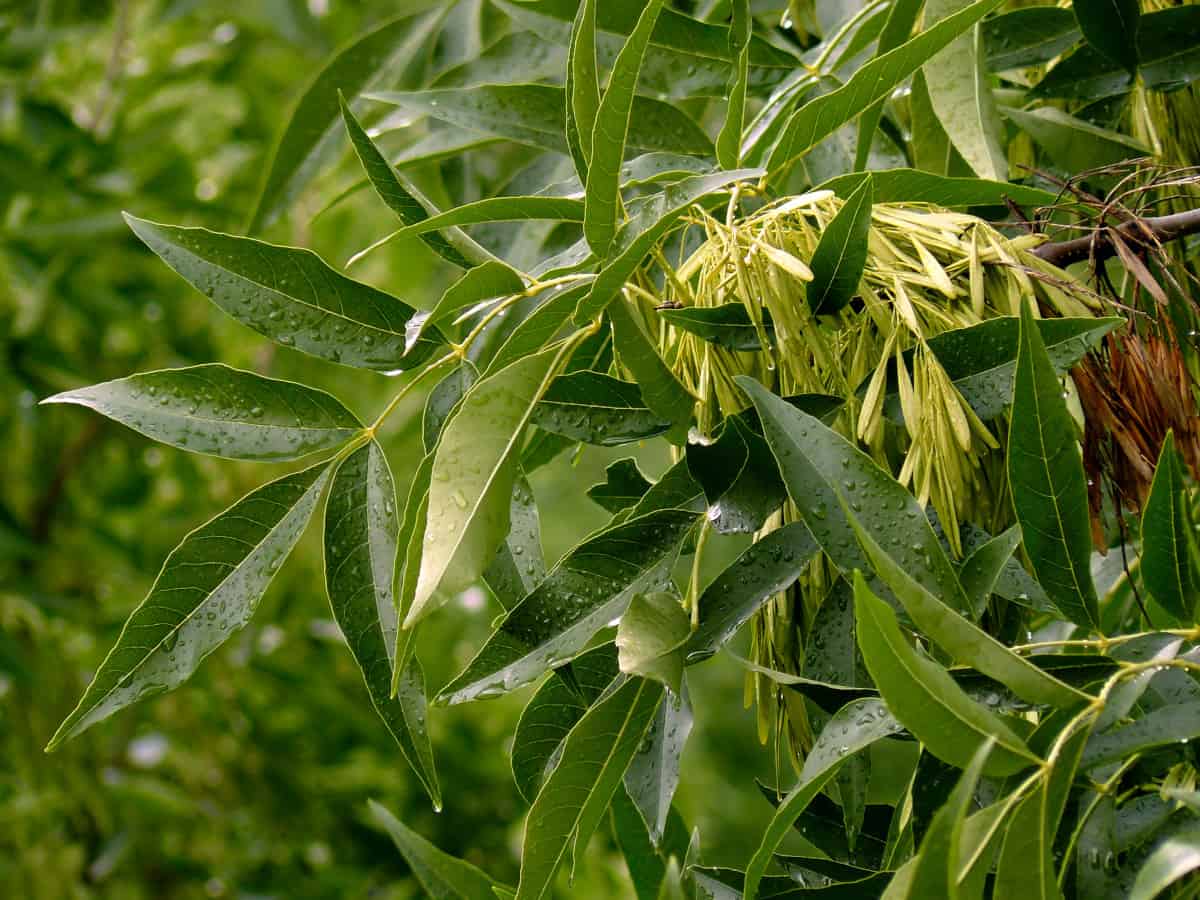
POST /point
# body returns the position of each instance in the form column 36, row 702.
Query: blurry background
column 251, row 780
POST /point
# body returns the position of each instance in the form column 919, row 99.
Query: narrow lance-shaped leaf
column 582, row 87
column 518, row 565
column 1074, row 144
column 819, row 118
column 222, row 411
column 661, row 390
column 1170, row 861
column 208, row 588
column 1028, row 36
column 590, row 587
column 361, row 530
column 291, row 296
column 654, row 770
column 473, row 471
column 961, row 95
column 916, row 186
column 578, row 791
column 443, row 876
column 1166, row 560
column 730, row 139
column 896, row 30
column 841, row 253
column 409, row 543
column 484, row 282
column 925, row 698
column 610, row 133
column 1046, row 473
column 312, row 124
column 400, row 199
column 1111, row 26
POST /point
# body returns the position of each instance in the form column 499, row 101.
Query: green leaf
column 647, row 864
column 474, row 469
column 1171, row 860
column 582, row 87
column 497, row 209
column 518, row 565
column 579, row 790
column 443, row 876
column 623, row 486
column 1073, row 144
column 409, row 541
column 730, row 138
column 535, row 114
column 1049, row 492
column 653, row 772
column 897, row 29
column 925, row 699
column 837, row 263
column 741, row 483
column 400, row 198
column 765, row 569
column 981, row 569
column 208, row 588
column 855, row 509
column 221, row 411
column 361, row 531
column 644, row 229
column 310, row 134
column 650, row 637
column 855, row 727
column 484, row 282
column 935, row 873
column 610, row 134
column 1168, row 725
column 821, row 117
column 590, row 587
column 676, row 489
column 291, row 296
column 541, row 326
column 1111, row 26
column 553, row 711
column 660, row 389
column 1166, row 562
column 962, row 97
column 596, row 409
column 727, row 325
column 1026, row 37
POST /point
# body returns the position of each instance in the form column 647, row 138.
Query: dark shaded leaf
column 837, row 262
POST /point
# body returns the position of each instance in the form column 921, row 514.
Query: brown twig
column 1101, row 246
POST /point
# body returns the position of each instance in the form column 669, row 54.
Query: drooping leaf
column 741, row 483
column 519, row 564
column 660, row 389
column 841, row 253
column 313, row 122
column 222, row 411
column 958, row 86
column 1168, row 725
column 1030, row 36
column 208, row 588
column 727, row 325
column 497, row 209
column 855, row 727
column 897, row 29
column 596, row 409
column 473, row 473
column 545, row 323
column 623, row 486
column 921, row 695
column 646, row 862
column 650, row 638
column 291, row 296
column 409, row 543
column 535, row 114
column 361, row 528
column 819, row 118
column 582, row 87
column 1048, row 487
column 676, row 489
column 443, row 876
column 1071, row 143
column 654, row 771
column 578, row 791
column 730, row 138
column 610, row 133
column 590, row 587
column 1111, row 26
column 1170, row 861
column 1166, row 560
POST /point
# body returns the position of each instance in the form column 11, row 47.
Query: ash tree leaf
column 821, row 117
column 576, row 795
column 676, row 489
column 916, row 186
column 741, row 482
column 474, row 468
column 854, row 509
column 596, row 409
column 727, row 325
column 1166, row 725
column 311, row 131
column 221, row 411
column 610, row 134
column 650, row 636
column 400, row 198
column 653, row 773
column 646, row 862
column 660, row 389
column 925, row 699
column 409, row 543
column 1166, row 560
column 623, row 486
column 1045, row 471
column 485, row 281
column 1111, row 26
column 897, row 29
column 443, row 876
column 208, row 588
column 498, row 209
column 957, row 81
column 553, row 711
column 1176, row 856
column 838, row 261
column 535, row 114
column 518, row 565
column 1026, row 37
column 730, row 137
column 981, row 569
column 361, row 530
column 548, row 321
column 588, row 588
column 856, row 726
column 762, row 570
column 291, row 296
column 582, row 87
column 1074, row 144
